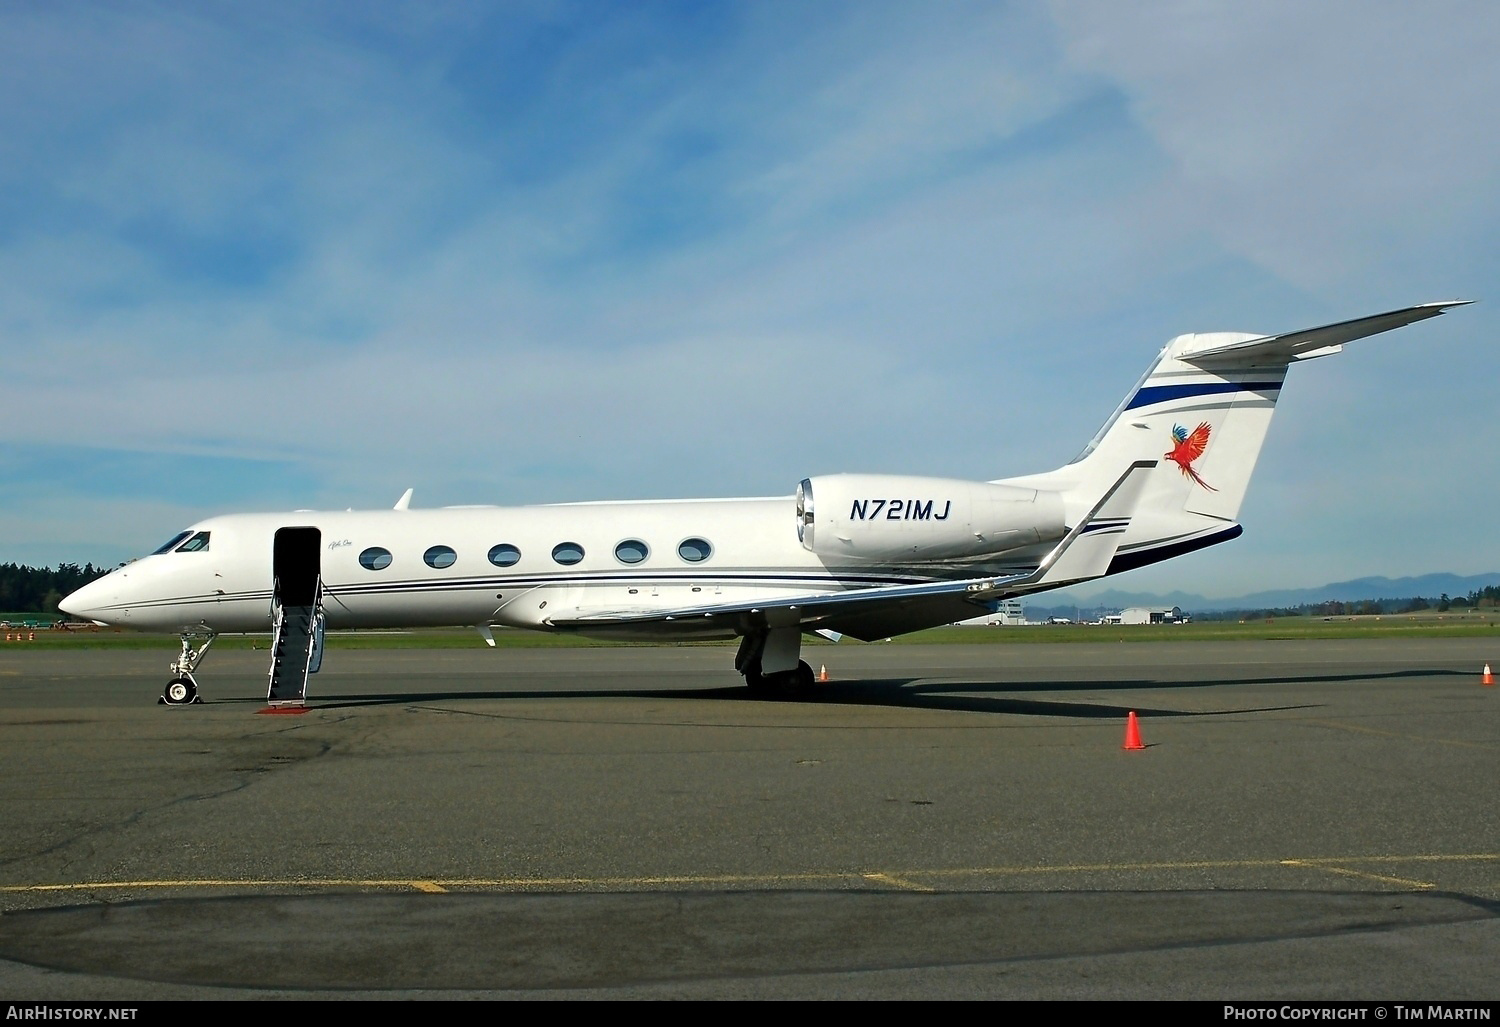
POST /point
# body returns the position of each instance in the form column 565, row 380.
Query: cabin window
column 632, row 550
column 197, row 544
column 505, row 555
column 171, row 543
column 375, row 559
column 567, row 553
column 439, row 557
column 695, row 550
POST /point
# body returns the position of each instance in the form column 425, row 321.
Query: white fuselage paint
column 755, row 555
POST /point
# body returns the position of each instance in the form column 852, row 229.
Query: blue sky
column 307, row 255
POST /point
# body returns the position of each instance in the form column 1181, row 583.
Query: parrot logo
column 1188, row 448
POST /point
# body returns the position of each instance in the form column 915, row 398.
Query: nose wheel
column 180, row 691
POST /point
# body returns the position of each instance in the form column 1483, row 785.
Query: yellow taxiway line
column 904, row 880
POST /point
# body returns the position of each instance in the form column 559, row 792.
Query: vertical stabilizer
column 1202, row 408
column 1205, row 425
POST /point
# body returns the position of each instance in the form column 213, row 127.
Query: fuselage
column 513, row 566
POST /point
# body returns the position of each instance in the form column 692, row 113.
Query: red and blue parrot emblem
column 1189, row 448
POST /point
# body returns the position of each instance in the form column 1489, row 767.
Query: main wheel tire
column 803, row 678
column 179, row 692
column 755, row 680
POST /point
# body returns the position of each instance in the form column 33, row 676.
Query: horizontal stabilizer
column 1310, row 342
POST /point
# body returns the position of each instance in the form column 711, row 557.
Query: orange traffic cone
column 1133, row 733
column 823, row 672
column 1488, row 679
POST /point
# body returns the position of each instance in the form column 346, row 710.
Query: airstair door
column 297, row 605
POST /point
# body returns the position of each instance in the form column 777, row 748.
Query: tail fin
column 1206, row 424
column 1202, row 408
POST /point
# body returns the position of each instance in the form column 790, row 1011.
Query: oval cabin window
column 632, row 550
column 695, row 550
column 567, row 553
column 375, row 559
column 505, row 555
column 439, row 557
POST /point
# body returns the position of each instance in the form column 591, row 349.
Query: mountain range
column 1429, row 586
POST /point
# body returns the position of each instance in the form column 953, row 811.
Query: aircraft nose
column 84, row 603
column 73, row 605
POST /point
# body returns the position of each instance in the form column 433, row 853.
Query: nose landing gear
column 182, row 690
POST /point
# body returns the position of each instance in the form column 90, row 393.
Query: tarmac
column 1307, row 820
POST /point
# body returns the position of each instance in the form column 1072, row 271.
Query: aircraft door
column 296, row 566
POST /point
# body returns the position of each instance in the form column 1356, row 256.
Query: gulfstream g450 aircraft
column 849, row 554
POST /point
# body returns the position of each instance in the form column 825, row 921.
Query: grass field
column 1428, row 625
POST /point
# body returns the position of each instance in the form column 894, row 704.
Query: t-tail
column 1202, row 409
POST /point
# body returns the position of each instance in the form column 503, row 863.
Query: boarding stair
column 296, row 645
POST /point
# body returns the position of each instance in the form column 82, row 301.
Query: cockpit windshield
column 195, row 543
column 171, row 544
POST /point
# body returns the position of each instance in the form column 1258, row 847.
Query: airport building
column 1008, row 612
column 1150, row 615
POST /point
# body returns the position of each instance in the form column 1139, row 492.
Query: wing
column 874, row 613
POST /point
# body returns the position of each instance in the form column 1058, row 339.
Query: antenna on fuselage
column 404, row 502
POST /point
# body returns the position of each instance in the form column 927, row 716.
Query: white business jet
column 870, row 556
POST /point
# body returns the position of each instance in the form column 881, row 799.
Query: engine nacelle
column 899, row 519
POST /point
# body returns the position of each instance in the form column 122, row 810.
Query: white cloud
column 1314, row 139
column 885, row 238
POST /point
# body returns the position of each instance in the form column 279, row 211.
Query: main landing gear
column 777, row 649
column 796, row 682
column 182, row 690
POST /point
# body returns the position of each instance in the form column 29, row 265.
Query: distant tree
column 40, row 589
column 1444, row 603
